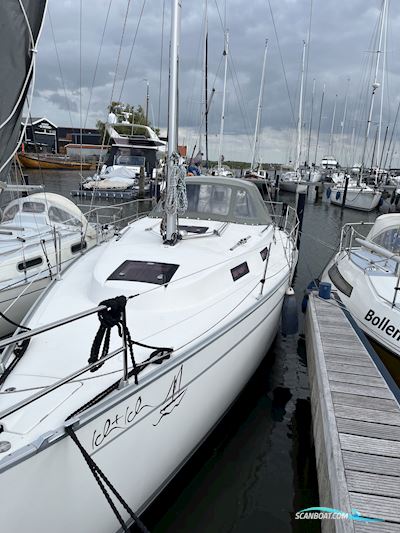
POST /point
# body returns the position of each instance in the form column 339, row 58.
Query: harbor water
column 257, row 468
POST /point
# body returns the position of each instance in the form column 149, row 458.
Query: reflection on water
column 258, row 467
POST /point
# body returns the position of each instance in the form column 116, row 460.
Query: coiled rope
column 176, row 200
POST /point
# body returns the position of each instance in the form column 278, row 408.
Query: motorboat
column 292, row 181
column 222, row 170
column 131, row 157
column 366, row 274
column 40, row 234
column 189, row 301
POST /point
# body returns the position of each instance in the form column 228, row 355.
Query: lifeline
column 383, row 324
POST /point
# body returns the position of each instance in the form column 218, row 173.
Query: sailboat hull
column 360, row 199
column 140, row 436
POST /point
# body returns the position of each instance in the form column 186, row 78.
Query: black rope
column 103, row 481
column 113, row 315
column 4, row 317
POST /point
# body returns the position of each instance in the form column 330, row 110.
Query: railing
column 284, row 217
column 349, row 233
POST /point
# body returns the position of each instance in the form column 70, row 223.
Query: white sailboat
column 360, row 196
column 291, row 181
column 40, row 235
column 203, row 300
column 366, row 274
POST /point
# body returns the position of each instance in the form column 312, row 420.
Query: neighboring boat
column 40, row 235
column 292, row 181
column 203, row 297
column 51, row 161
column 129, row 158
column 365, row 272
column 224, row 171
column 359, row 195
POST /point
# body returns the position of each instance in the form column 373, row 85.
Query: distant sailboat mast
column 259, row 108
column 375, row 86
column 221, row 132
column 299, row 120
column 319, row 124
column 311, row 121
column 330, row 150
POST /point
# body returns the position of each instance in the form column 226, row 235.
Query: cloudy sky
column 343, row 39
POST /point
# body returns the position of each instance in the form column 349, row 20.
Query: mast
column 341, row 155
column 221, row 132
column 391, row 135
column 384, row 17
column 259, row 108
column 173, row 107
column 311, row 120
column 375, row 86
column 332, row 127
column 319, row 124
column 299, row 120
column 206, row 78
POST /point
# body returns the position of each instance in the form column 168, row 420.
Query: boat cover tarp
column 16, row 64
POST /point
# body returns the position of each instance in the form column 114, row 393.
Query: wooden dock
column 356, row 422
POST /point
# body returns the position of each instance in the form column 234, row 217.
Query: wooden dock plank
column 349, row 360
column 376, row 527
column 368, row 415
column 376, row 506
column 357, row 380
column 362, row 390
column 375, row 464
column 368, row 429
column 367, row 483
column 367, row 402
column 382, row 447
column 349, row 368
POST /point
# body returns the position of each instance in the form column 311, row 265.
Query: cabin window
column 211, row 199
column 33, row 207
column 10, row 213
column 339, row 281
column 264, row 253
column 144, row 272
column 78, row 247
column 239, row 271
column 62, row 217
column 389, row 239
column 29, row 263
column 243, row 206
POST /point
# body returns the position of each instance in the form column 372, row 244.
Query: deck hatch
column 144, row 272
column 194, row 229
column 240, row 271
column 339, row 281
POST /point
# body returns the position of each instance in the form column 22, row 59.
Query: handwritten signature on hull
column 121, row 421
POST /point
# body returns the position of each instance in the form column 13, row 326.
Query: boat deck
column 356, row 422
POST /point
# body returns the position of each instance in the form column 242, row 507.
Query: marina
column 193, row 337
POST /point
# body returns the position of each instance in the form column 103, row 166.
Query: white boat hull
column 293, row 186
column 360, row 199
column 366, row 306
column 16, row 301
column 142, row 439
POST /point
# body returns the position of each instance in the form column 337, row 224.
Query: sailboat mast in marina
column 259, row 109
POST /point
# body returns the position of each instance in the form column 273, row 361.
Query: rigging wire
column 59, row 67
column 161, row 65
column 97, row 62
column 132, row 48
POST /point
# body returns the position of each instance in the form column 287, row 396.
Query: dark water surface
column 257, row 468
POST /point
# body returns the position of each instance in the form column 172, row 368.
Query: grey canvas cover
column 16, row 66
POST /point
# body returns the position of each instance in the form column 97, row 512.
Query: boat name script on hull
column 383, row 324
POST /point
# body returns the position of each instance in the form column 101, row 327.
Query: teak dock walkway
column 356, row 422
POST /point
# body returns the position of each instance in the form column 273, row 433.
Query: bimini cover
column 19, row 19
